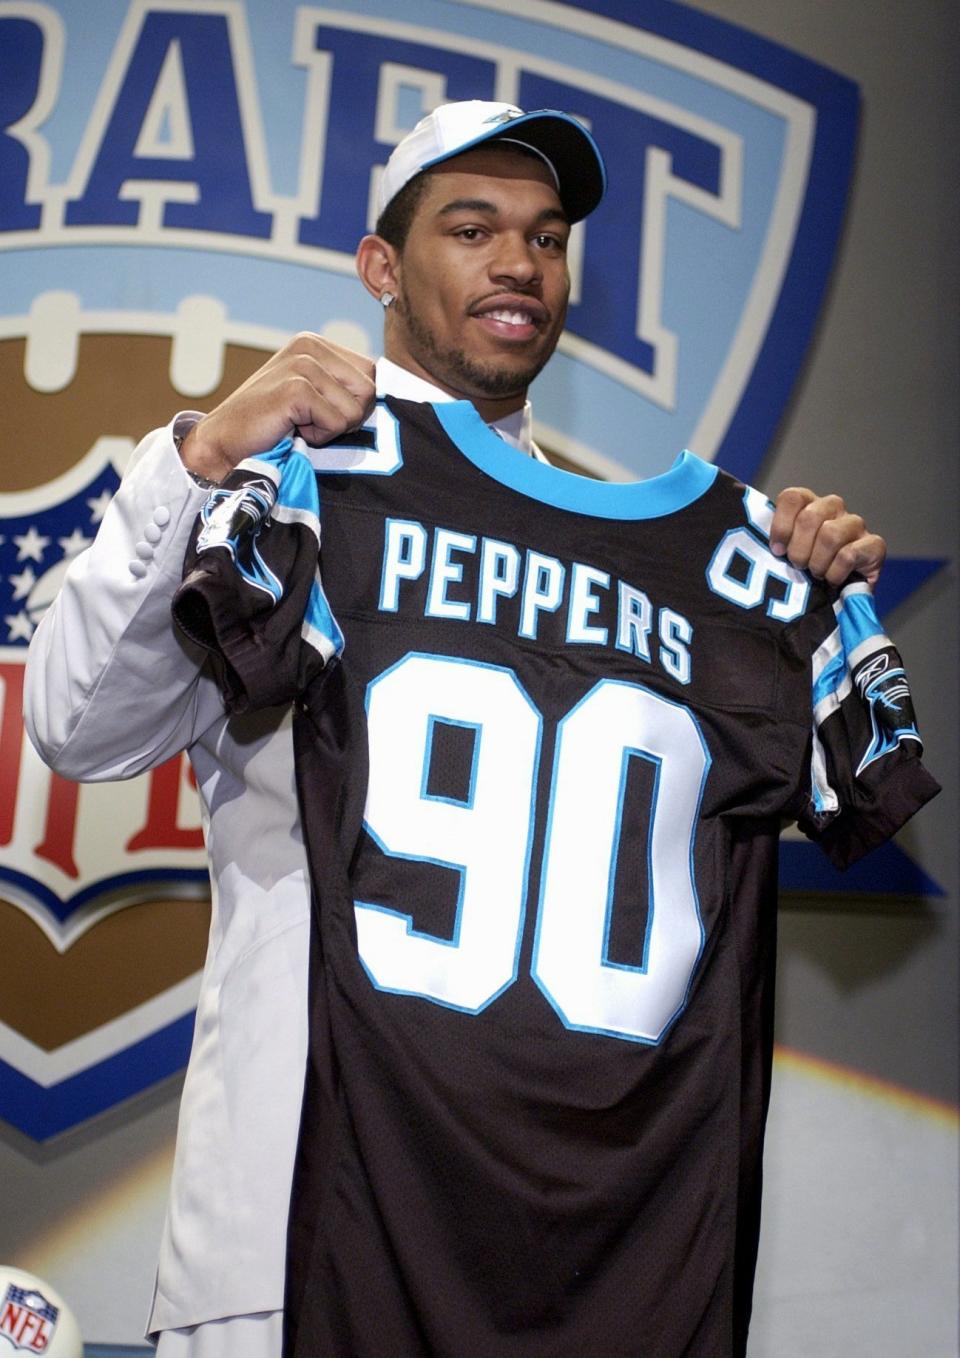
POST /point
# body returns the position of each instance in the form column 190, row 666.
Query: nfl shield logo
column 27, row 1319
column 34, row 1318
column 74, row 857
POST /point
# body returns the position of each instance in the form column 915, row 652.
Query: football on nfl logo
column 34, row 1319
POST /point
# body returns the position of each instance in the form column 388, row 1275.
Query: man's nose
column 515, row 260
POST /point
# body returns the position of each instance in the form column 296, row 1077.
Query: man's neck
column 393, row 379
column 490, row 409
column 496, row 411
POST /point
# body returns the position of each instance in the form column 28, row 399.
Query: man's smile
column 512, row 317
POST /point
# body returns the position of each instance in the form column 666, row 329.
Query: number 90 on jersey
column 487, row 837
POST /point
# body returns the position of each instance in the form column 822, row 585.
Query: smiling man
column 480, row 282
column 545, row 732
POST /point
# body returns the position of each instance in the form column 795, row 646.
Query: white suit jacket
column 112, row 689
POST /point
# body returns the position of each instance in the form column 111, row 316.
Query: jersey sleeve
column 866, row 778
column 251, row 593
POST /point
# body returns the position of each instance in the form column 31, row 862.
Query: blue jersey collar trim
column 685, row 482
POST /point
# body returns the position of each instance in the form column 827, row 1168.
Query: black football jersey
column 547, row 732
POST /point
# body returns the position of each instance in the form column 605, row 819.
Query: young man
column 422, row 1136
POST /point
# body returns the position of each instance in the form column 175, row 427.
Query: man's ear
column 376, row 263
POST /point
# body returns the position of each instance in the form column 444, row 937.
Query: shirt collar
column 515, row 429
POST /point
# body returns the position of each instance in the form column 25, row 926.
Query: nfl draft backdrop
column 181, row 187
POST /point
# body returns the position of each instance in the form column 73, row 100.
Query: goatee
column 454, row 368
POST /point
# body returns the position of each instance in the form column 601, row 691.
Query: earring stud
column 387, row 299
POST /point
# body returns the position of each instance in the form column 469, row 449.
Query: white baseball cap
column 566, row 146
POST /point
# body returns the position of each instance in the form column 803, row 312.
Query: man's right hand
column 312, row 386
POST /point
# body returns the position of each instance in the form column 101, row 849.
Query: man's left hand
column 819, row 534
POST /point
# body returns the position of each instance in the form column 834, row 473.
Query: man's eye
column 469, row 233
column 547, row 242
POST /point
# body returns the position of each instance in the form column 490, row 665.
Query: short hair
column 394, row 222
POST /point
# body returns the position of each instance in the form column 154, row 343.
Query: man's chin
column 491, row 376
column 494, row 381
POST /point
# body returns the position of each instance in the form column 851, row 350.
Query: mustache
column 513, row 299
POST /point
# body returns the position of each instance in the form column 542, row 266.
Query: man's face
column 482, row 278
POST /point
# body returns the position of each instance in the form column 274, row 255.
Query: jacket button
column 152, row 533
column 161, row 516
column 144, row 551
column 137, row 569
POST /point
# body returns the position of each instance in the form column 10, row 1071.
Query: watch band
column 203, row 482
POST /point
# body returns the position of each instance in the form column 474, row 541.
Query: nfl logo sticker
column 34, row 1319
column 27, row 1319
